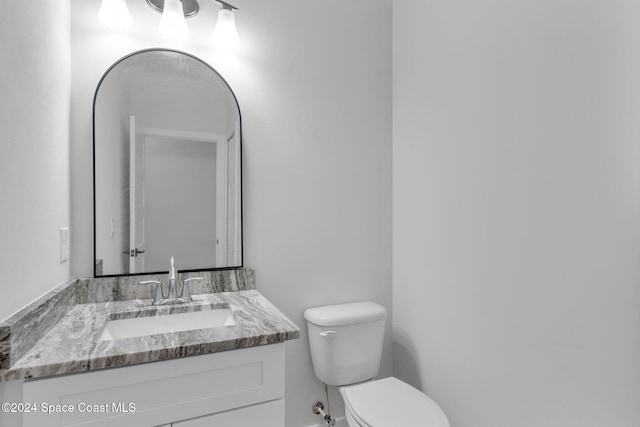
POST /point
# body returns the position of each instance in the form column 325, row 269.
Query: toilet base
column 351, row 422
column 389, row 402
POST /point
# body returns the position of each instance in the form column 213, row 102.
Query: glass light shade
column 226, row 35
column 172, row 22
column 115, row 13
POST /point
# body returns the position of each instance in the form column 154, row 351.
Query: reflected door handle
column 134, row 252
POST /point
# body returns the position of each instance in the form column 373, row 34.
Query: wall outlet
column 64, row 245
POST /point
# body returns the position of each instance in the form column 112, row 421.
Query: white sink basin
column 141, row 326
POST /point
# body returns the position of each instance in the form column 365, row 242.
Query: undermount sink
column 142, row 326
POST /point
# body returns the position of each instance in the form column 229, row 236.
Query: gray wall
column 314, row 85
column 516, row 190
column 34, row 165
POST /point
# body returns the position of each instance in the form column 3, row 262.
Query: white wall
column 113, row 127
column 34, row 165
column 314, row 85
column 516, row 194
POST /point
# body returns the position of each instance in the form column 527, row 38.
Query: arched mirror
column 167, row 166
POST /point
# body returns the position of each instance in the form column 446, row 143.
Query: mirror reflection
column 167, row 166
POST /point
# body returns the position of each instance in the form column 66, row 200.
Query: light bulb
column 115, row 13
column 172, row 21
column 225, row 34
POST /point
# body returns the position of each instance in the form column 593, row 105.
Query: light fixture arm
column 226, row 5
column 190, row 7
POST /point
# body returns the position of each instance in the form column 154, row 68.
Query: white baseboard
column 340, row 422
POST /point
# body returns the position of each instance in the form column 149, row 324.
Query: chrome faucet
column 173, row 297
column 173, row 291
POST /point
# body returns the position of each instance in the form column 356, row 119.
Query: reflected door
column 137, row 209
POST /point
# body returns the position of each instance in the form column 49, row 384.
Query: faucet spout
column 173, row 289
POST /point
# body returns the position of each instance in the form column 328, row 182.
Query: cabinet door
column 270, row 414
column 155, row 394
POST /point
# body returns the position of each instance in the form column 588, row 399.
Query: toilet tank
column 346, row 341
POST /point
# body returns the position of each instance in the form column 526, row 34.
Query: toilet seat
column 390, row 402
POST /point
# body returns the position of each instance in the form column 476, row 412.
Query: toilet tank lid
column 345, row 314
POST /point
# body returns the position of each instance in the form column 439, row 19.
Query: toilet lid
column 390, row 402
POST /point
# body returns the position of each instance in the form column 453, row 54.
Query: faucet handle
column 158, row 294
column 186, row 293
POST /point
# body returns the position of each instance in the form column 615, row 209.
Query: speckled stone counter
column 59, row 334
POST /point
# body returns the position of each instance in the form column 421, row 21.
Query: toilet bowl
column 390, row 402
column 346, row 349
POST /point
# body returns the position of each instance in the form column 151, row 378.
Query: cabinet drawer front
column 162, row 392
column 270, row 414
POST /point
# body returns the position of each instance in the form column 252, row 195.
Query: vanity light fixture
column 174, row 12
column 173, row 21
column 115, row 13
column 225, row 34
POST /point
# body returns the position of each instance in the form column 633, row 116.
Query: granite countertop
column 72, row 344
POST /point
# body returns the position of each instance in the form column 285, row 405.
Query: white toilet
column 346, row 348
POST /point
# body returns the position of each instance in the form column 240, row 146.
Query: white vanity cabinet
column 240, row 388
column 264, row 414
